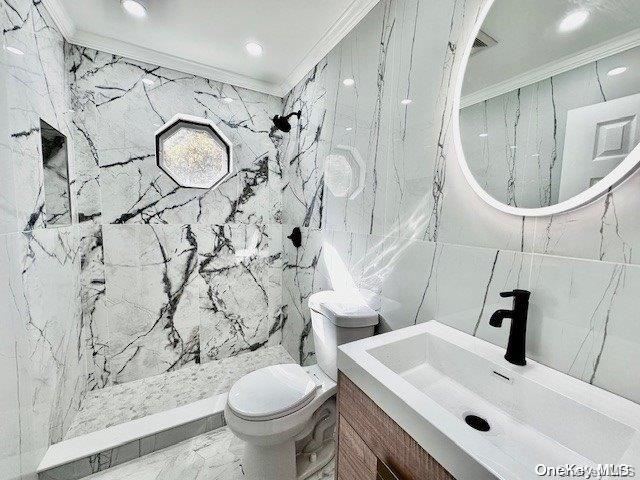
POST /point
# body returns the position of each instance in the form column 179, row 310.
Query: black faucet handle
column 518, row 294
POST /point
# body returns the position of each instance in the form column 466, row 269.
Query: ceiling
column 207, row 37
column 529, row 40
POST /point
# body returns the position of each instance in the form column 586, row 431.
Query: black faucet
column 518, row 332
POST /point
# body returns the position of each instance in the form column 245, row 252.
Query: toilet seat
column 271, row 392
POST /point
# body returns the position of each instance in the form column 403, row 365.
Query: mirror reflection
column 551, row 97
column 57, row 204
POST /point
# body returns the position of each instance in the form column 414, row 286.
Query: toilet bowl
column 286, row 413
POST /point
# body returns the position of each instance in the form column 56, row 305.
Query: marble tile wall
column 171, row 276
column 150, row 277
column 525, row 118
column 418, row 236
column 42, row 355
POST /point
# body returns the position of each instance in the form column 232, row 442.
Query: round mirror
column 549, row 102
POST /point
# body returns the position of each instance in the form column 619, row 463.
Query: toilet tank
column 338, row 319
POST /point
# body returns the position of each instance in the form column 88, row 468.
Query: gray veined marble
column 214, row 455
column 442, row 252
column 117, row 161
column 151, row 296
column 234, row 290
column 103, row 408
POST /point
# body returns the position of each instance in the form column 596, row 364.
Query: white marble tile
column 583, row 321
column 303, row 274
column 456, row 285
column 304, row 149
column 364, row 109
column 9, row 396
column 49, row 360
column 115, row 129
column 152, row 299
column 246, row 120
column 95, row 315
column 233, row 291
column 117, row 404
column 214, row 455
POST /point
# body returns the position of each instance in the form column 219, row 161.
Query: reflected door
column 597, row 139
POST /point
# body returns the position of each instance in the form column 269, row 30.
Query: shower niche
column 55, row 166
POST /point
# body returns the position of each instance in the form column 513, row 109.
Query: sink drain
column 477, row 422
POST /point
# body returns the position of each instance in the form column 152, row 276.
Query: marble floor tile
column 215, row 455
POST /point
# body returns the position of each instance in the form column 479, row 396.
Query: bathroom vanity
column 373, row 446
column 432, row 402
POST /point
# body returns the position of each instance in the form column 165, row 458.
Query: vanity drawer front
column 383, row 437
column 355, row 460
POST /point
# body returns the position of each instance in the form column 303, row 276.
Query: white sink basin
column 429, row 377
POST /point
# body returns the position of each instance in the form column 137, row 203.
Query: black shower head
column 282, row 122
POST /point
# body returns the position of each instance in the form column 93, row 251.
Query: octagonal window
column 193, row 152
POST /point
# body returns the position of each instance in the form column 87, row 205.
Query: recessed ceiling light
column 573, row 20
column 348, row 82
column 348, row 129
column 148, row 81
column 14, row 50
column 483, row 135
column 135, row 8
column 616, row 71
column 227, row 100
column 406, row 101
column 254, row 49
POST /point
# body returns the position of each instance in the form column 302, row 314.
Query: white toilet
column 286, row 413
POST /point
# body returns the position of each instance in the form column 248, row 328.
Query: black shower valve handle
column 516, row 293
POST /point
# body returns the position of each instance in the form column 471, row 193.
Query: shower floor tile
column 213, row 456
column 129, row 401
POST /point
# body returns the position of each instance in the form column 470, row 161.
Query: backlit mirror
column 57, row 206
column 549, row 102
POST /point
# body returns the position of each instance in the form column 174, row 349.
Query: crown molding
column 564, row 64
column 340, row 28
column 154, row 57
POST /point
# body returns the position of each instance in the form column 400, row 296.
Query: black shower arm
column 297, row 114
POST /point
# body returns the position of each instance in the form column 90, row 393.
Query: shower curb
column 94, row 452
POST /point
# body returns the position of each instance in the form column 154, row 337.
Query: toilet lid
column 271, row 392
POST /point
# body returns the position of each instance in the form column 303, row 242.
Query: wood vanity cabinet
column 368, row 438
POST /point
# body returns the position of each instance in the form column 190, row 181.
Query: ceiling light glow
column 348, row 129
column 254, row 49
column 406, row 101
column 14, row 50
column 616, row 71
column 348, row 82
column 135, row 8
column 574, row 20
column 483, row 135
